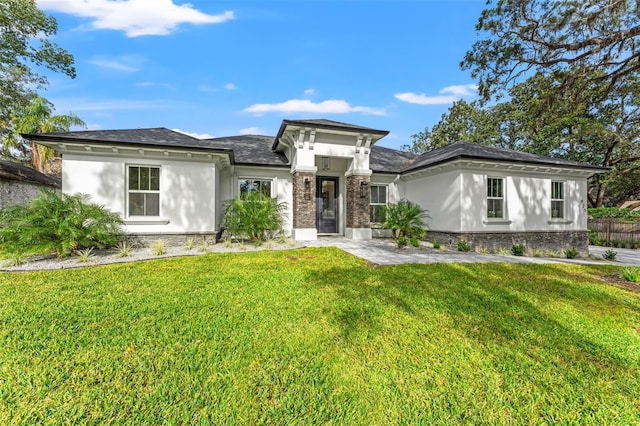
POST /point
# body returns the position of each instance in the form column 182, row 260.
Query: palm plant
column 36, row 117
column 253, row 215
column 56, row 222
column 406, row 219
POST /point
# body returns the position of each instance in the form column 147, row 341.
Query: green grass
column 317, row 336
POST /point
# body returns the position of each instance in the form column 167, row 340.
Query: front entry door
column 327, row 205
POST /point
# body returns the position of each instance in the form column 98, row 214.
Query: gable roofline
column 321, row 123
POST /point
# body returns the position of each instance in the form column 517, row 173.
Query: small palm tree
column 253, row 215
column 36, row 117
column 406, row 219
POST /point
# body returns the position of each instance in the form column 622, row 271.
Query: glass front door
column 327, row 205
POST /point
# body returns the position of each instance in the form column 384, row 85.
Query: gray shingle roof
column 21, row 173
column 250, row 149
column 483, row 152
column 387, row 160
column 155, row 136
column 258, row 150
column 321, row 122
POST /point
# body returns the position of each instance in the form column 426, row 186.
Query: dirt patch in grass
column 619, row 281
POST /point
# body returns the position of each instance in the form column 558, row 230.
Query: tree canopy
column 598, row 39
column 543, row 117
column 24, row 43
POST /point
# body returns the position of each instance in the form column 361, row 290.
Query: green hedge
column 613, row 213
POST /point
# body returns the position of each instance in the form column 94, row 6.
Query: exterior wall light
column 363, row 189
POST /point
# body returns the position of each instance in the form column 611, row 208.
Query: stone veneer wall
column 14, row 193
column 533, row 240
column 358, row 208
column 304, row 211
column 170, row 239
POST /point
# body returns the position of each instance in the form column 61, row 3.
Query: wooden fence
column 615, row 229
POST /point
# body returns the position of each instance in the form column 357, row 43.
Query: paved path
column 384, row 252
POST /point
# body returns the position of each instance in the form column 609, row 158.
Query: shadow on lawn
column 492, row 304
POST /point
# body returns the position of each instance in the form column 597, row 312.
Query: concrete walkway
column 385, row 252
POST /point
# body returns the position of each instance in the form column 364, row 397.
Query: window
column 255, row 185
column 557, row 200
column 495, row 198
column 378, row 204
column 144, row 191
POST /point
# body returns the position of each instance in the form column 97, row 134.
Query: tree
column 463, row 121
column 546, row 117
column 598, row 38
column 36, row 118
column 24, row 43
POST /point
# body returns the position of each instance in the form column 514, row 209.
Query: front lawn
column 318, row 336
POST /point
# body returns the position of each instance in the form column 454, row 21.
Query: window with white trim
column 143, row 191
column 255, row 185
column 495, row 198
column 557, row 200
column 378, row 204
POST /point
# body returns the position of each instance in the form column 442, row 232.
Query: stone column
column 358, row 219
column 304, row 206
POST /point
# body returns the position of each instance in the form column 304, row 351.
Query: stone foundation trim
column 302, row 234
column 171, row 239
column 358, row 233
column 533, row 240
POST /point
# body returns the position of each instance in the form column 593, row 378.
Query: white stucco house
column 334, row 179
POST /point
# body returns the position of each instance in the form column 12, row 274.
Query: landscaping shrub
column 610, row 255
column 571, row 253
column 463, row 245
column 594, row 237
column 402, row 241
column 632, row 275
column 415, row 242
column 406, row 219
column 57, row 222
column 613, row 213
column 436, row 245
column 518, row 249
column 253, row 215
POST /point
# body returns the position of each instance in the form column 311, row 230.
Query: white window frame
column 265, row 179
column 142, row 191
column 386, row 197
column 562, row 200
column 502, row 198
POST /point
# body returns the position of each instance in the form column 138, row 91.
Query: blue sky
column 213, row 68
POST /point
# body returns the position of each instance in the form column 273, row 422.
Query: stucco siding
column 527, row 203
column 440, row 194
column 187, row 191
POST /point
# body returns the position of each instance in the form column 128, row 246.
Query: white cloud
column 195, row 135
column 135, row 17
column 309, row 92
column 205, row 88
column 448, row 95
column 293, row 106
column 252, row 131
column 124, row 63
column 230, row 86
